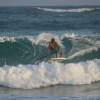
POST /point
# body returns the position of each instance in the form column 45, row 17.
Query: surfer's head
column 52, row 40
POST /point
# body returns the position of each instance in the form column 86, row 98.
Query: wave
column 68, row 10
column 40, row 39
column 47, row 74
column 25, row 49
column 46, row 37
column 82, row 52
column 29, row 49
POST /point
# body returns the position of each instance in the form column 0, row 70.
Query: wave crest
column 29, row 49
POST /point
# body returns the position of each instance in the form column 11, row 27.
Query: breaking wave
column 29, row 49
column 47, row 74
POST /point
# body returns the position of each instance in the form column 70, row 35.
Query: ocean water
column 25, row 70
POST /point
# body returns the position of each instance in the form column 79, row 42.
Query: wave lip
column 67, row 10
column 40, row 39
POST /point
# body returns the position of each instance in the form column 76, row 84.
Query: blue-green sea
column 26, row 72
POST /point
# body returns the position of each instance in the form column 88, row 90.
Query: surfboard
column 57, row 59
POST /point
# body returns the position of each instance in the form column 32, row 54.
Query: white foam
column 46, row 74
column 82, row 52
column 81, row 10
column 41, row 39
column 67, row 10
column 6, row 38
column 71, row 36
column 52, row 10
column 44, row 38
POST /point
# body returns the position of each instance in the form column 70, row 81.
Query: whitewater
column 47, row 74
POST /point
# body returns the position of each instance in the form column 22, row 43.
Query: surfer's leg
column 61, row 52
column 57, row 52
column 54, row 52
column 56, row 55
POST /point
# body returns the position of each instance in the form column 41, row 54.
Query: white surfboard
column 57, row 59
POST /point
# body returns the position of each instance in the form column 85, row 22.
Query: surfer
column 53, row 46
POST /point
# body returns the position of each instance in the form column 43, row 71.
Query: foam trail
column 46, row 74
column 82, row 52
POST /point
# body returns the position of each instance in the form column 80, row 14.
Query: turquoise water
column 25, row 70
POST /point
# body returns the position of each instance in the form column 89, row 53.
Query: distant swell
column 67, row 10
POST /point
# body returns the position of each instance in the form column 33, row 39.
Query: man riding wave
column 53, row 47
